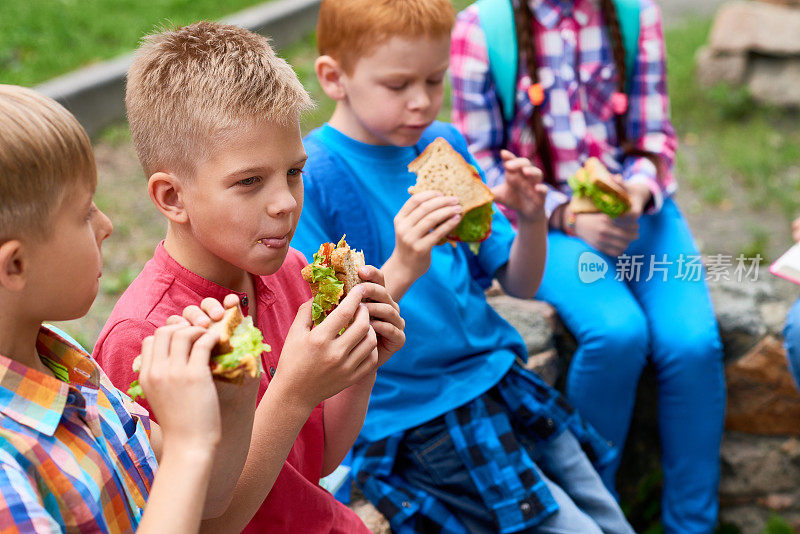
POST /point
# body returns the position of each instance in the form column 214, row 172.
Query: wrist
column 199, row 453
column 293, row 398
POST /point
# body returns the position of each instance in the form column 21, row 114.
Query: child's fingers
column 356, row 330
column 362, row 351
column 201, row 349
column 161, row 342
column 516, row 164
column 507, row 155
column 213, row 308
column 390, row 331
column 177, row 319
column 431, row 206
column 196, row 316
column 533, row 174
column 181, row 344
column 378, row 293
column 146, row 357
column 438, row 234
column 303, row 320
column 436, row 218
column 384, row 312
column 344, row 312
column 370, row 273
column 230, row 301
column 415, row 200
column 541, row 189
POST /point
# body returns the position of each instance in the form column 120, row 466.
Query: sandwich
column 332, row 275
column 237, row 352
column 595, row 190
column 441, row 168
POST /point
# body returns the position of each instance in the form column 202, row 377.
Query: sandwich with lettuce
column 441, row 168
column 237, row 352
column 332, row 275
column 594, row 190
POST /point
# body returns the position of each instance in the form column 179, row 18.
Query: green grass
column 40, row 39
column 738, row 144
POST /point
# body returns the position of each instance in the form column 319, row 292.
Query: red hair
column 350, row 29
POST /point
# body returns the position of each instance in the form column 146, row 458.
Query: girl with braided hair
column 580, row 93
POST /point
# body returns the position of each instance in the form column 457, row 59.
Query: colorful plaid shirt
column 74, row 451
column 578, row 74
column 490, row 451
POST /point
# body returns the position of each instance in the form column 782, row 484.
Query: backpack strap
column 497, row 21
column 340, row 198
column 628, row 12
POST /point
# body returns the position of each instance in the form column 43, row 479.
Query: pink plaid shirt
column 578, row 74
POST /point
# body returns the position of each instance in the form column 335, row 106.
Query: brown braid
column 618, row 50
column 527, row 48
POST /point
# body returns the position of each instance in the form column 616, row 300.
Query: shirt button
column 406, row 504
column 271, row 371
column 525, row 507
column 244, row 301
column 550, row 423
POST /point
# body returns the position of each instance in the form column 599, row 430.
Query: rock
column 371, row 517
column 535, row 320
column 742, row 27
column 738, row 309
column 775, row 81
column 715, row 67
column 762, row 398
column 754, row 466
column 778, row 501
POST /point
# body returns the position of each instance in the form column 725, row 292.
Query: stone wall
column 761, row 446
column 756, row 45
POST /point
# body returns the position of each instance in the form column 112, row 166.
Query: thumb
column 303, row 320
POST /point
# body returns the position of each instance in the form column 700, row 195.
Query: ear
column 165, row 192
column 330, row 74
column 13, row 265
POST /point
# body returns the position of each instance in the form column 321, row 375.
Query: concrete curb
column 96, row 94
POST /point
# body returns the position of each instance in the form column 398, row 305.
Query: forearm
column 523, row 272
column 343, row 418
column 398, row 278
column 237, row 414
column 176, row 499
column 278, row 421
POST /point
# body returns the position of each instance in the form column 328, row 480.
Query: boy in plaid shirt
column 458, row 436
column 76, row 454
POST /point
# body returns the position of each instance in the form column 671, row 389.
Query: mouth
column 274, row 241
column 417, row 126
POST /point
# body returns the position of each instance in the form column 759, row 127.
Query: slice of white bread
column 442, row 168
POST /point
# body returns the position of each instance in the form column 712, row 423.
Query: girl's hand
column 522, row 190
column 796, row 229
column 605, row 234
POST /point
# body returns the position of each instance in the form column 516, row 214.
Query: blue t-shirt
column 457, row 346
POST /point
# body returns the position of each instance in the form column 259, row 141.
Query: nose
column 282, row 201
column 419, row 100
column 104, row 227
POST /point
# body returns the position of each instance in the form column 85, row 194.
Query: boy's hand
column 317, row 364
column 177, row 381
column 522, row 190
column 422, row 223
column 384, row 313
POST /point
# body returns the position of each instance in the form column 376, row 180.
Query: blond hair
column 350, row 29
column 187, row 85
column 45, row 155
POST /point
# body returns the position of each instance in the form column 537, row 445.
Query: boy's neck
column 18, row 335
column 190, row 255
column 346, row 122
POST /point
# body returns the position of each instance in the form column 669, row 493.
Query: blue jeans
column 585, row 504
column 791, row 339
column 619, row 324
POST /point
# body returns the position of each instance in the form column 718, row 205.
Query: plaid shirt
column 505, row 477
column 578, row 73
column 73, row 456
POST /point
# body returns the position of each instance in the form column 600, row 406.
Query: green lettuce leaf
column 246, row 339
column 475, row 226
column 605, row 202
column 329, row 289
column 135, row 391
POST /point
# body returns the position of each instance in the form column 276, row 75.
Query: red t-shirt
column 296, row 503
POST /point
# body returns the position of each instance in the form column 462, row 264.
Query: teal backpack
column 497, row 21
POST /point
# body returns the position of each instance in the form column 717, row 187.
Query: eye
column 396, row 86
column 295, row 172
column 252, row 180
column 436, row 81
